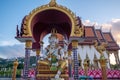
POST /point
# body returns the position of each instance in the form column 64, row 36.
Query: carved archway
column 49, row 16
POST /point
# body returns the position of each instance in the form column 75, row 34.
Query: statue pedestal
column 57, row 79
column 44, row 73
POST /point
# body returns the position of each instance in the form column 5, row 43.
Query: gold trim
column 52, row 3
column 37, row 52
column 102, row 62
column 28, row 44
column 15, row 63
column 69, row 52
column 52, row 75
column 75, row 43
column 68, row 12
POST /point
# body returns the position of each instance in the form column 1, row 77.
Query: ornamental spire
column 52, row 3
column 53, row 0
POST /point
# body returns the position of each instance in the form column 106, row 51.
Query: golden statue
column 100, row 48
column 79, row 31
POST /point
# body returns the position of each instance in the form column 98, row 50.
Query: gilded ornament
column 37, row 52
column 79, row 31
column 100, row 48
column 15, row 64
column 65, row 10
column 74, row 43
column 52, row 3
column 69, row 52
column 28, row 44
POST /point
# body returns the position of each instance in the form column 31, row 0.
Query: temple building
column 69, row 27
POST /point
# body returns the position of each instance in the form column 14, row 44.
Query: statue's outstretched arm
column 61, row 53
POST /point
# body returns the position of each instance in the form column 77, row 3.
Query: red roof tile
column 99, row 34
column 89, row 32
column 108, row 37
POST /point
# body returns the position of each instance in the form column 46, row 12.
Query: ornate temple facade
column 90, row 41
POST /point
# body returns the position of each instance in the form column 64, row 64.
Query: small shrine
column 73, row 50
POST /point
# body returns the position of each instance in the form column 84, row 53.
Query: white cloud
column 5, row 43
column 9, row 42
column 116, row 29
column 115, row 20
column 12, row 51
column 89, row 23
column 106, row 27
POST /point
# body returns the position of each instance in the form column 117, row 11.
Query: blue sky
column 13, row 11
column 99, row 12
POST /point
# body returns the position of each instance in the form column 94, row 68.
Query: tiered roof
column 100, row 35
column 112, row 45
column 89, row 35
column 92, row 34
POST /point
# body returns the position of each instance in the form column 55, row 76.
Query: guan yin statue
column 54, row 55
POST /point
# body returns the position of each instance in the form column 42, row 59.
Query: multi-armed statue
column 54, row 55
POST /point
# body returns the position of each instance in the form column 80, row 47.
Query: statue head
column 53, row 40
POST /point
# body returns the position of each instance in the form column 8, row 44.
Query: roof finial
column 52, row 3
column 53, row 0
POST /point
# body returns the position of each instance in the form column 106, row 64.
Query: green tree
column 20, row 66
